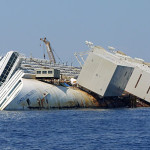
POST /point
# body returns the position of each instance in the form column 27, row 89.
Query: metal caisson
column 104, row 74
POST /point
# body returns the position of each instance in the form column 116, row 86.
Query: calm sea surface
column 77, row 129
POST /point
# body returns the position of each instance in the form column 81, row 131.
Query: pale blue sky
column 123, row 24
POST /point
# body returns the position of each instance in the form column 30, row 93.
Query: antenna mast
column 49, row 50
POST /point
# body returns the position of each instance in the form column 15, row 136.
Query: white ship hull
column 34, row 94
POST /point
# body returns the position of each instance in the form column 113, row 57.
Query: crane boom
column 76, row 55
column 81, row 54
column 49, row 50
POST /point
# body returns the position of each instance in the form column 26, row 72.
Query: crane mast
column 49, row 50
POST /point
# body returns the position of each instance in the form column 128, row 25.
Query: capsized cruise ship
column 104, row 78
column 28, row 83
column 21, row 90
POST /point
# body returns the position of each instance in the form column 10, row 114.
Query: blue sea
column 75, row 129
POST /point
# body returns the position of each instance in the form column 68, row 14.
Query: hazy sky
column 123, row 24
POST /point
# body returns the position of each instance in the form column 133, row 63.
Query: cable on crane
column 57, row 56
column 43, row 50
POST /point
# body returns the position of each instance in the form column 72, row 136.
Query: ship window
column 125, row 74
column 148, row 90
column 138, row 80
column 8, row 67
column 38, row 72
column 44, row 72
column 50, row 72
column 14, row 88
column 3, row 102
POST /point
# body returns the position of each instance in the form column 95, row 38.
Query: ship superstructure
column 31, row 64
